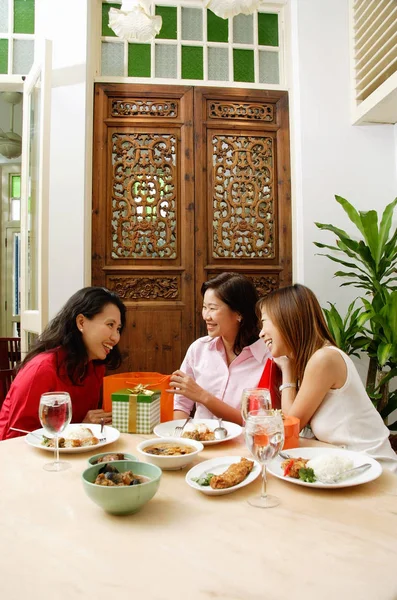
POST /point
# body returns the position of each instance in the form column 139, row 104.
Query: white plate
column 357, row 457
column 167, row 429
column 111, row 434
column 218, row 466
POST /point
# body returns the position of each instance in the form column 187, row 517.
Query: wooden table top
column 55, row 543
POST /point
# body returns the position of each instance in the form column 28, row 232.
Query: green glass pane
column 15, row 186
column 23, row 16
column 169, row 27
column 3, row 56
column 139, row 60
column 192, row 62
column 243, row 65
column 267, row 29
column 217, row 28
column 105, row 18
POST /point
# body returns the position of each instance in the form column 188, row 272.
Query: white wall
column 329, row 155
column 65, row 23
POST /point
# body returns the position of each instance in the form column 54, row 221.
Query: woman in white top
column 331, row 396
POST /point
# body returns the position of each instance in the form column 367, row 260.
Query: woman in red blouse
column 70, row 355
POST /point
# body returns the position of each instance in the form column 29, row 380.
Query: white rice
column 329, row 465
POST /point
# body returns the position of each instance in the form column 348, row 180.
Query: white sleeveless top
column 347, row 417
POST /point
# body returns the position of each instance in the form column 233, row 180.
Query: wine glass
column 264, row 436
column 255, row 399
column 55, row 413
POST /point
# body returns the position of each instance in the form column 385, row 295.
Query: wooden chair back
column 6, row 377
column 10, row 352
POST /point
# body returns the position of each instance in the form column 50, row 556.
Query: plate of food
column 325, row 467
column 201, row 430
column 78, row 437
column 223, row 475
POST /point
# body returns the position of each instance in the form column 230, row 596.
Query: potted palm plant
column 369, row 264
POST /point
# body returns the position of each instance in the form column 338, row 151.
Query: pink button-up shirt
column 206, row 363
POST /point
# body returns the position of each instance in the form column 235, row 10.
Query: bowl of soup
column 170, row 453
column 121, row 487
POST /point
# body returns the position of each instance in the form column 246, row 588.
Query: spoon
column 220, row 432
column 36, row 435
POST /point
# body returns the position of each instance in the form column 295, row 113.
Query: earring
column 239, row 319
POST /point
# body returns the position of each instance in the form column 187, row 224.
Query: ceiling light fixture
column 133, row 22
column 231, row 8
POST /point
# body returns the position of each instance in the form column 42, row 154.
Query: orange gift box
column 291, row 432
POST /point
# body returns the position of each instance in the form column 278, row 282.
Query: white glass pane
column 268, row 67
column 218, row 64
column 31, row 297
column 243, row 29
column 23, row 56
column 166, row 57
column 3, row 16
column 112, row 58
column 15, row 209
column 192, row 24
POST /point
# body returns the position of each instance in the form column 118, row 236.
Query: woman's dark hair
column 239, row 293
column 297, row 314
column 62, row 331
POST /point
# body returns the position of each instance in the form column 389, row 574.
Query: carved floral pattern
column 144, row 195
column 136, row 107
column 246, row 111
column 145, row 288
column 243, row 203
column 265, row 284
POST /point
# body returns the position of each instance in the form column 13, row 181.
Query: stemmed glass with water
column 55, row 413
column 264, row 436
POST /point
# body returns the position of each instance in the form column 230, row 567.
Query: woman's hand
column 95, row 416
column 185, row 385
column 285, row 366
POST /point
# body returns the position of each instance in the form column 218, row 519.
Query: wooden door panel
column 143, row 219
column 243, row 217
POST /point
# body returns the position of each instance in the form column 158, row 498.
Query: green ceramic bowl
column 93, row 459
column 122, row 500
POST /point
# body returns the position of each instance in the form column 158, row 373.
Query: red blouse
column 42, row 374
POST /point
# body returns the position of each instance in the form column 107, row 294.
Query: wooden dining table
column 56, row 544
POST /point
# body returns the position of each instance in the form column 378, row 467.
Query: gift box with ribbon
column 136, row 410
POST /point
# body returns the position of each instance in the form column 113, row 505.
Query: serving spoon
column 220, row 432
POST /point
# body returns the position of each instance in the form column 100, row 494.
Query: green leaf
column 384, row 228
column 351, row 212
column 384, row 351
column 369, row 221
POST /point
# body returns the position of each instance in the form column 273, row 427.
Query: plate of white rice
column 329, row 462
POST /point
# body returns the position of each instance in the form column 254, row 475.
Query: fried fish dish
column 235, row 474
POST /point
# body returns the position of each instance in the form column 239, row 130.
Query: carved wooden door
column 242, row 187
column 168, row 214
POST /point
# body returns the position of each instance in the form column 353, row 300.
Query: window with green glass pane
column 168, row 29
column 192, row 62
column 267, row 29
column 139, row 60
column 217, row 28
column 24, row 16
column 243, row 65
column 105, row 19
column 15, row 186
column 3, row 56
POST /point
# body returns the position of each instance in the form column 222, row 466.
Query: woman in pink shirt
column 70, row 355
column 231, row 357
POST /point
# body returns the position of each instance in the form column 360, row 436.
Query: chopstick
column 40, row 437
